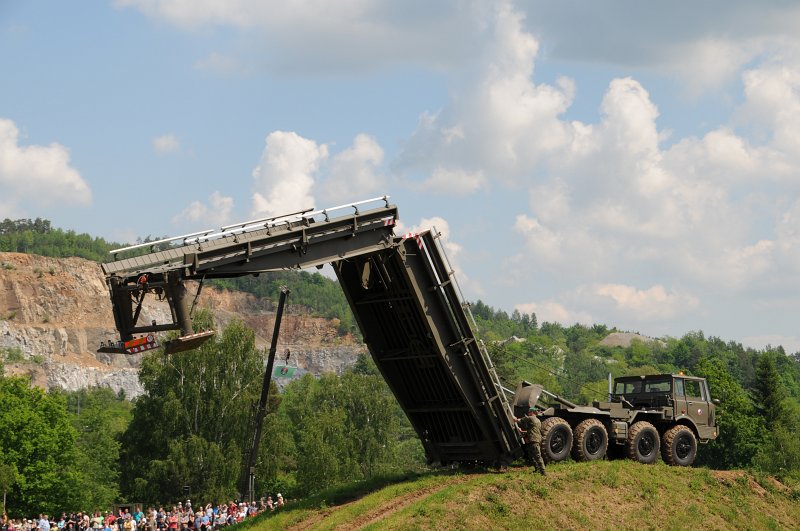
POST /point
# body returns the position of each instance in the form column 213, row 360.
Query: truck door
column 696, row 403
column 680, row 398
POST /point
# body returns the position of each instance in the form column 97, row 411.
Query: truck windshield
column 658, row 386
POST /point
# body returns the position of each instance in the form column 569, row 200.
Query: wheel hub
column 646, row 444
column 593, row 442
column 683, row 447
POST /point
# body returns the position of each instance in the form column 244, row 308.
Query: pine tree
column 769, row 394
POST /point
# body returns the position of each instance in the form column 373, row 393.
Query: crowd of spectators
column 182, row 517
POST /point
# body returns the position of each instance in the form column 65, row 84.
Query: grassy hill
column 600, row 495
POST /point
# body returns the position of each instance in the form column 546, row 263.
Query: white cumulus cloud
column 648, row 304
column 789, row 343
column 166, row 144
column 554, row 312
column 353, row 172
column 503, row 123
column 348, row 35
column 41, row 175
column 285, row 177
column 214, row 214
column 454, row 182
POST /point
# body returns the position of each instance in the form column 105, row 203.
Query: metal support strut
column 247, row 481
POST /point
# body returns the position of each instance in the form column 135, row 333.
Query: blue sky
column 626, row 163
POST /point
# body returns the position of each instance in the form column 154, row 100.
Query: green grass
column 602, row 495
column 12, row 354
column 338, row 497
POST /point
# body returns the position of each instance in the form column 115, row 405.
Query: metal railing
column 252, row 225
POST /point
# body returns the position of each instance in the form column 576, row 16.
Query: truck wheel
column 679, row 446
column 556, row 440
column 591, row 441
column 643, row 443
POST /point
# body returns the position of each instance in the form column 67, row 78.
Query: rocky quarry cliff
column 54, row 312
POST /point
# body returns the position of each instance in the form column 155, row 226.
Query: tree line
column 38, row 236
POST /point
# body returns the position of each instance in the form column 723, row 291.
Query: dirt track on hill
column 379, row 513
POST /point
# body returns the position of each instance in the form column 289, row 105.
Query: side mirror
column 715, row 401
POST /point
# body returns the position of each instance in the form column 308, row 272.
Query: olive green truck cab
column 644, row 416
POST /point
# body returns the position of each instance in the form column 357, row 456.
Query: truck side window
column 679, row 387
column 627, row 388
column 693, row 389
column 657, row 386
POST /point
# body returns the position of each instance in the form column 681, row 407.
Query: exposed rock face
column 55, row 312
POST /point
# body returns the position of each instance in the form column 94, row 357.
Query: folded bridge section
column 402, row 293
column 408, row 307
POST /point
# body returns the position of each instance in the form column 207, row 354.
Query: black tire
column 591, row 441
column 556, row 440
column 679, row 446
column 643, row 443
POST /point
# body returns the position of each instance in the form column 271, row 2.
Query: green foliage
column 99, row 417
column 278, row 457
column 11, row 354
column 205, row 465
column 347, row 428
column 496, row 325
column 780, row 455
column 769, row 394
column 39, row 237
column 9, row 477
column 38, row 440
column 742, row 431
column 195, row 413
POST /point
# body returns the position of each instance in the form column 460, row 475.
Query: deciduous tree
column 195, row 413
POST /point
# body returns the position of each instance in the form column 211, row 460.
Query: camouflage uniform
column 532, row 435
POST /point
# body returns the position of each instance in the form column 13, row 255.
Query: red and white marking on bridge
column 416, row 237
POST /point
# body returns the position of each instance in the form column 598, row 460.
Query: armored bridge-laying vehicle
column 644, row 414
column 407, row 303
column 401, row 289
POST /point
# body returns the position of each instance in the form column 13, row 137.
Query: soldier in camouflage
column 531, row 428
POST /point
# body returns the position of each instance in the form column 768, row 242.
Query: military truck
column 643, row 414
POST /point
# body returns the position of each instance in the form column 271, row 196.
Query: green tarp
column 283, row 372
